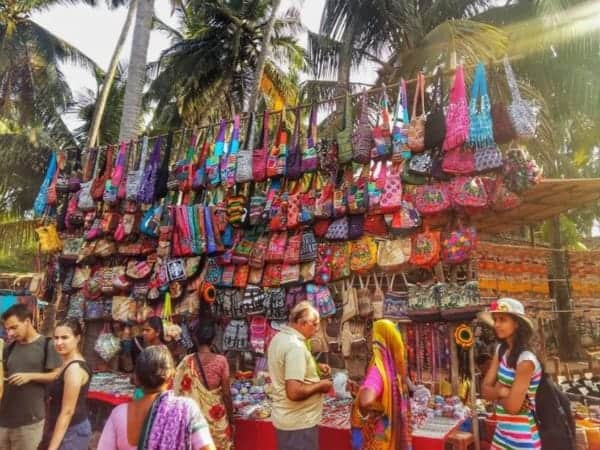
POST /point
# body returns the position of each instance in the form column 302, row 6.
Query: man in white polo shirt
column 297, row 387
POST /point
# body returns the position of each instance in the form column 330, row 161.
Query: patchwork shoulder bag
column 259, row 155
column 294, row 153
column 416, row 129
column 276, row 159
column 361, row 139
column 400, row 150
column 310, row 160
column 344, row 137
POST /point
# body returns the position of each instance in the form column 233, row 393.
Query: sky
column 95, row 31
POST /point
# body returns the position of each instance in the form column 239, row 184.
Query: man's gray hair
column 301, row 311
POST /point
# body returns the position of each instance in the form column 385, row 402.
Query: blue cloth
column 6, row 301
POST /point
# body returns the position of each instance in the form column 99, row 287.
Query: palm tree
column 33, row 95
column 210, row 70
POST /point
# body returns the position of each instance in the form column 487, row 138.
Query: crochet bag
column 416, row 129
column 294, row 154
column 393, row 255
column 488, row 159
column 361, row 139
column 433, row 199
column 243, row 171
column 457, row 115
column 480, row 132
column 400, row 150
column 523, row 113
column 435, row 125
column 459, row 161
column 425, row 251
column 259, row 155
column 344, row 137
column 310, row 160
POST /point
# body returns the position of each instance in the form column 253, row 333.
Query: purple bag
column 146, row 192
column 293, row 160
column 356, row 226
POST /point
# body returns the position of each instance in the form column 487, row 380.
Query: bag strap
column 348, row 112
column 458, row 88
column 264, row 137
column 296, row 133
column 511, row 80
column 250, row 132
column 311, row 138
column 201, row 370
column 419, row 93
column 438, row 91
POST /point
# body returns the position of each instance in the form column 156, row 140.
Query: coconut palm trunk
column 136, row 74
column 109, row 78
column 262, row 57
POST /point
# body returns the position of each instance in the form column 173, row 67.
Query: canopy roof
column 545, row 200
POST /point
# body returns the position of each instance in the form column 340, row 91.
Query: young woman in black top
column 67, row 424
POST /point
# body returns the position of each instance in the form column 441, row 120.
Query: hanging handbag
column 363, row 255
column 134, row 175
column 488, row 158
column 324, row 190
column 340, row 260
column 391, row 197
column 468, row 192
column 381, row 134
column 500, row 198
column 400, row 150
column 405, row 220
column 276, row 159
column 395, row 303
column 393, row 255
column 523, row 113
column 309, row 156
column 292, row 249
column 344, row 137
column 459, row 161
column 435, row 125
column 356, row 226
column 375, row 225
column 416, row 129
column 48, row 238
column 148, row 180
column 457, row 115
column 243, row 171
column 276, row 248
column 327, row 152
column 293, row 162
column 99, row 182
column 259, row 155
column 425, row 252
column 361, row 138
column 111, row 188
column 256, row 205
column 458, row 244
column 480, row 118
column 420, row 163
column 162, row 175
column 504, row 132
column 375, row 187
column 433, row 199
column 520, row 171
column 409, row 177
column 323, row 264
column 231, row 161
column 308, row 247
column 39, row 205
column 357, row 196
column 338, row 230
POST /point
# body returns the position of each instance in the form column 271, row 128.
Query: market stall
column 378, row 221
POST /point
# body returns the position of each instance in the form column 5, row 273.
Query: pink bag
column 459, row 161
column 433, row 199
column 391, row 198
column 469, row 192
column 457, row 116
column 259, row 155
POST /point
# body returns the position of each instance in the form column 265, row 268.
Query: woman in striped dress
column 513, row 377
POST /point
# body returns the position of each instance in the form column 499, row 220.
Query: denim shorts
column 77, row 437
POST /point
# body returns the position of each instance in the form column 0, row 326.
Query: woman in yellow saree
column 381, row 415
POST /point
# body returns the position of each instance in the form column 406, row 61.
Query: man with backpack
column 30, row 361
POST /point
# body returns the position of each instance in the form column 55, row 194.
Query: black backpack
column 553, row 415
